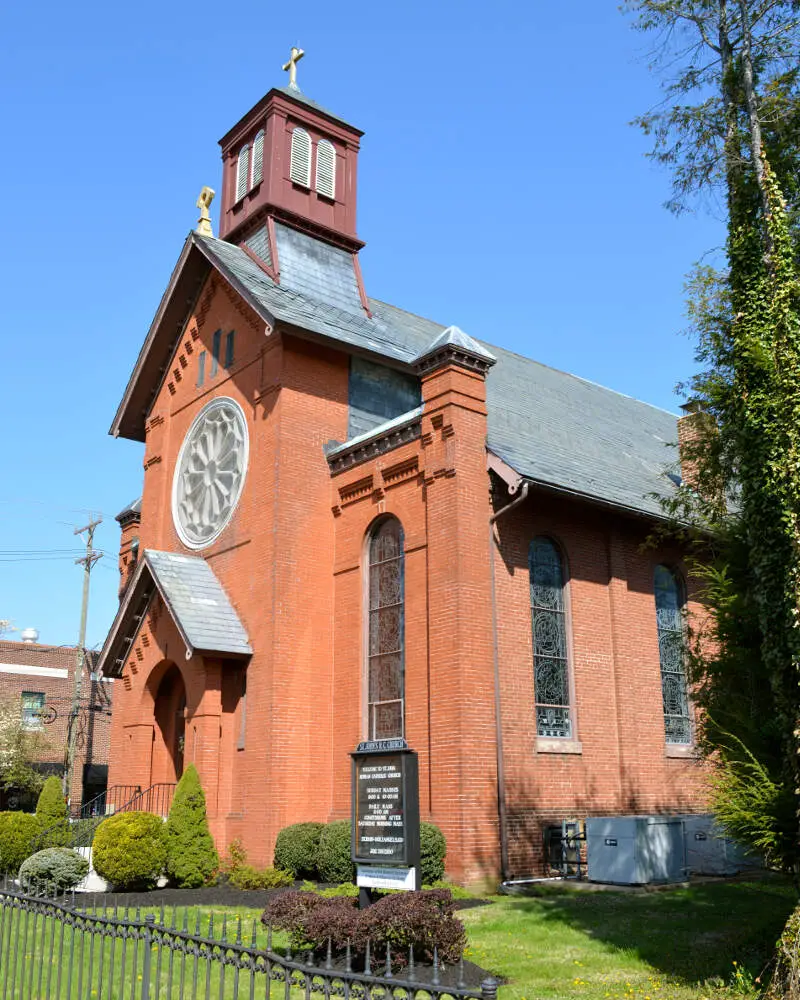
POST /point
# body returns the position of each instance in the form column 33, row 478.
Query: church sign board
column 385, row 812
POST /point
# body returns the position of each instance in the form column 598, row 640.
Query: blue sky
column 500, row 188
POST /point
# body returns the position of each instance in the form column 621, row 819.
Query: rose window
column 210, row 473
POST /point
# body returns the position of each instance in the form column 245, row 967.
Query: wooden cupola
column 289, row 160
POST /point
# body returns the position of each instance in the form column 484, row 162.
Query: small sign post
column 385, row 811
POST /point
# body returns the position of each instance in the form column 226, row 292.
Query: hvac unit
column 709, row 851
column 635, row 850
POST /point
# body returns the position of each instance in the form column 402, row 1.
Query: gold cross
column 291, row 66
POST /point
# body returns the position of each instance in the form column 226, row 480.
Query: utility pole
column 87, row 562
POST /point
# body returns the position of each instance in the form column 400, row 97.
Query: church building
column 356, row 523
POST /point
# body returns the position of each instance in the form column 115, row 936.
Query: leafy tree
column 19, row 748
column 192, row 859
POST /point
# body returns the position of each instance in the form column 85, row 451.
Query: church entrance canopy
column 195, row 600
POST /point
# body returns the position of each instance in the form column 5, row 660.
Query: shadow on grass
column 692, row 934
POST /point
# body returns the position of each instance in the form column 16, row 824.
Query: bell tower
column 289, row 160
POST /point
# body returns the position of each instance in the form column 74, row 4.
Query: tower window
column 671, row 651
column 548, row 619
column 386, row 631
column 242, row 172
column 258, row 158
column 326, row 169
column 216, row 343
column 229, row 349
column 201, row 368
column 300, row 159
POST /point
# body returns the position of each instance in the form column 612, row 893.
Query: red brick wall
column 94, row 722
column 292, row 563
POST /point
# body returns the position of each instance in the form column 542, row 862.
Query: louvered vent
column 258, row 242
column 326, row 168
column 258, row 158
column 300, row 165
column 242, row 172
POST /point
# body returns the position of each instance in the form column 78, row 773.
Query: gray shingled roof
column 553, row 428
column 296, row 94
column 195, row 599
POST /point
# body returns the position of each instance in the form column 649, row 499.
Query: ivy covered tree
column 730, row 125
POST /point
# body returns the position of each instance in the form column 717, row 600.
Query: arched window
column 258, row 158
column 326, row 168
column 242, row 172
column 386, row 632
column 669, row 594
column 549, row 624
column 300, row 159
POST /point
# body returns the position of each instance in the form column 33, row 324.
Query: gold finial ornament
column 291, row 66
column 204, row 203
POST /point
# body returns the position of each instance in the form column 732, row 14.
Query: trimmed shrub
column 424, row 920
column 432, row 849
column 130, row 850
column 51, row 811
column 192, row 859
column 296, row 849
column 250, row 877
column 333, row 855
column 56, row 867
column 18, row 831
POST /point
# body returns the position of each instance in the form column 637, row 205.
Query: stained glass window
column 550, row 661
column 671, row 651
column 386, row 638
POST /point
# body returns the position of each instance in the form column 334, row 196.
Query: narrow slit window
column 669, row 598
column 216, row 343
column 229, row 348
column 242, row 172
column 549, row 624
column 386, row 632
column 258, row 158
column 326, row 169
column 300, row 158
column 242, row 711
column 201, row 368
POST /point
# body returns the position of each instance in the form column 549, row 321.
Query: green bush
column 432, row 849
column 192, row 859
column 18, row 831
column 333, row 855
column 296, row 849
column 51, row 811
column 56, row 867
column 250, row 877
column 130, row 850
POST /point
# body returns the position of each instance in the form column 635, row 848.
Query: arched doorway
column 170, row 718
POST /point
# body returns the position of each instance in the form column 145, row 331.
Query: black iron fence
column 57, row 949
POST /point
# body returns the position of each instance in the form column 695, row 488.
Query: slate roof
column 555, row 429
column 296, row 94
column 194, row 598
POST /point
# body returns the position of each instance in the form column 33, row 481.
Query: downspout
column 498, row 717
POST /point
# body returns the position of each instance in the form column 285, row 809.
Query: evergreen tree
column 51, row 811
column 192, row 859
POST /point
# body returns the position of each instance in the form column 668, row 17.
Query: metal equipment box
column 709, row 851
column 635, row 850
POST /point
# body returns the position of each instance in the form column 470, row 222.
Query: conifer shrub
column 296, row 849
column 192, row 859
column 51, row 811
column 18, row 832
column 58, row 868
column 333, row 854
column 433, row 849
column 422, row 920
column 130, row 850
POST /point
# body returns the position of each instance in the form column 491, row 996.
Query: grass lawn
column 679, row 943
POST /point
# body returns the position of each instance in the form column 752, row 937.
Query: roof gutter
column 522, row 489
